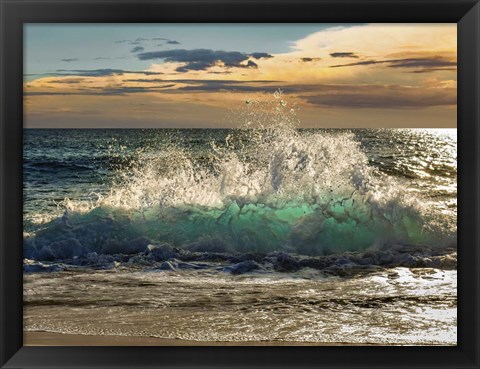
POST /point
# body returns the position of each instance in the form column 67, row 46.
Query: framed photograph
column 236, row 184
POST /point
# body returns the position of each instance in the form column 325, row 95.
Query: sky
column 196, row 75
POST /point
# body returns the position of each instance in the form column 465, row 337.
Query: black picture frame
column 14, row 13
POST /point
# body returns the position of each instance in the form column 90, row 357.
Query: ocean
column 257, row 234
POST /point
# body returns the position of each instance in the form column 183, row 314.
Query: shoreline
column 35, row 338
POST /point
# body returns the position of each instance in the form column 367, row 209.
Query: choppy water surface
column 268, row 232
column 83, row 164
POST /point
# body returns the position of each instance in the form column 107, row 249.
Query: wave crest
column 266, row 187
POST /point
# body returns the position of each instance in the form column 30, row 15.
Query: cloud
column 202, row 59
column 144, row 80
column 88, row 72
column 67, row 80
column 194, row 81
column 109, row 58
column 128, row 90
column 110, row 91
column 97, row 72
column 381, row 97
column 169, row 41
column 137, row 49
column 434, row 62
column 432, row 70
column 68, row 60
column 137, row 41
column 308, row 60
column 216, row 85
column 428, row 63
column 365, row 62
column 195, row 65
column 261, row 55
column 344, row 55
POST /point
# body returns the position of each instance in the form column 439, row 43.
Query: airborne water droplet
column 278, row 93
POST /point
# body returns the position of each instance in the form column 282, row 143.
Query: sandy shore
column 59, row 339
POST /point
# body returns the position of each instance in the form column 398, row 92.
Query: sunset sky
column 195, row 75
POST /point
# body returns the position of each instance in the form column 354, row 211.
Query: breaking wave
column 266, row 188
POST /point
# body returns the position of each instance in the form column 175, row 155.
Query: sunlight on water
column 398, row 307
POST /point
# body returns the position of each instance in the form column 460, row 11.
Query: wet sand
column 60, row 339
